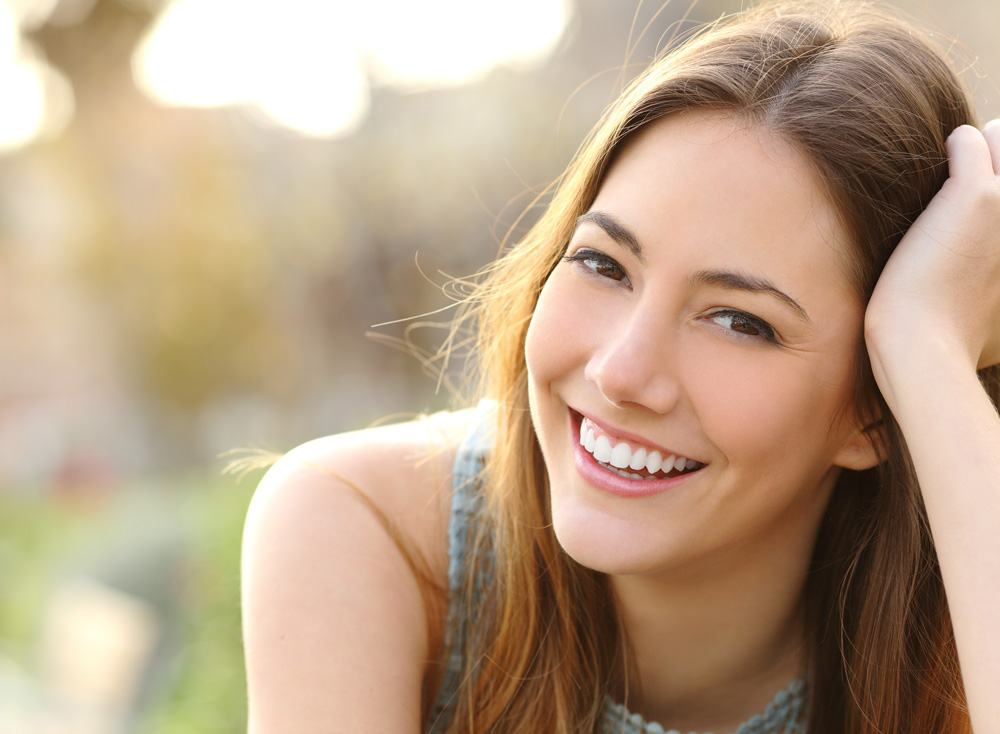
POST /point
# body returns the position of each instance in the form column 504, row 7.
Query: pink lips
column 601, row 478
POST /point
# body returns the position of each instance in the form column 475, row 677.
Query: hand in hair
column 942, row 282
column 933, row 319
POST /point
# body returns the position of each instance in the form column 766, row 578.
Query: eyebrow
column 729, row 279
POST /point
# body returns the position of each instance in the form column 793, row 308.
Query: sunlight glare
column 24, row 105
column 450, row 42
column 37, row 100
column 9, row 34
column 303, row 64
column 31, row 14
column 283, row 58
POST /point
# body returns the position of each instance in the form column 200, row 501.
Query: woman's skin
column 932, row 321
column 709, row 575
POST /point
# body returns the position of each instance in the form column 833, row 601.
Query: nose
column 636, row 366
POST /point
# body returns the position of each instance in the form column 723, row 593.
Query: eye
column 745, row 326
column 599, row 264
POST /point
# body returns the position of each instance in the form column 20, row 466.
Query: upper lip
column 616, row 432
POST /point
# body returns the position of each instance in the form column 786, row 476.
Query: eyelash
column 767, row 333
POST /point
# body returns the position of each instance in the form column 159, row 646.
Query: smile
column 649, row 462
column 625, row 468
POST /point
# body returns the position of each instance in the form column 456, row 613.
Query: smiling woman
column 730, row 374
column 698, row 489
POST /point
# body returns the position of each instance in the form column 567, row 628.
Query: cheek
column 555, row 339
column 769, row 411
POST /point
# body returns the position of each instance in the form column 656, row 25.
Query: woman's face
column 653, row 345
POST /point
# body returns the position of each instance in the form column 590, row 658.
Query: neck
column 713, row 645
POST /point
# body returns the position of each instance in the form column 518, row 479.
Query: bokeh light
column 308, row 66
column 37, row 100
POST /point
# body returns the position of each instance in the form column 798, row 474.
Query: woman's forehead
column 716, row 187
column 705, row 163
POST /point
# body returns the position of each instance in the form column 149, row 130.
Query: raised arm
column 933, row 320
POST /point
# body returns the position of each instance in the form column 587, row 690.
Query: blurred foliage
column 185, row 293
column 209, row 694
column 35, row 534
column 205, row 689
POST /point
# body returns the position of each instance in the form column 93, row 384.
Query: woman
column 740, row 461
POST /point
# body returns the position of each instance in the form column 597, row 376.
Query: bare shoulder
column 404, row 468
column 332, row 615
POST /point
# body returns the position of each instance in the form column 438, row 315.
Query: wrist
column 911, row 364
column 893, row 347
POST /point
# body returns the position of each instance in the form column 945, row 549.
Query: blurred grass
column 202, row 685
column 33, row 533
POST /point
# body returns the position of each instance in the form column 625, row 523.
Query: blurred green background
column 205, row 206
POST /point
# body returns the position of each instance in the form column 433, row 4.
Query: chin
column 608, row 544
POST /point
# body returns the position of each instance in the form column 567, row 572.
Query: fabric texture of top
column 785, row 713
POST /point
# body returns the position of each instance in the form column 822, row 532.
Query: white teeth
column 638, row 460
column 620, row 455
column 602, row 448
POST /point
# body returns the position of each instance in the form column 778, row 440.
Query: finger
column 968, row 154
column 991, row 131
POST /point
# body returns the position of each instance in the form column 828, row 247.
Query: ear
column 857, row 452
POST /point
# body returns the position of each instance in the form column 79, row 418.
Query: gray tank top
column 783, row 715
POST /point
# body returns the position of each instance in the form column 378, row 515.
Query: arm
column 336, row 635
column 953, row 433
column 934, row 319
column 333, row 625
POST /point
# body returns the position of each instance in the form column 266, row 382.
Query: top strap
column 466, row 501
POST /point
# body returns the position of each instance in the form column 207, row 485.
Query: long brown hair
column 869, row 100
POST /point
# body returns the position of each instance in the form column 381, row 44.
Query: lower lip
column 601, row 478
